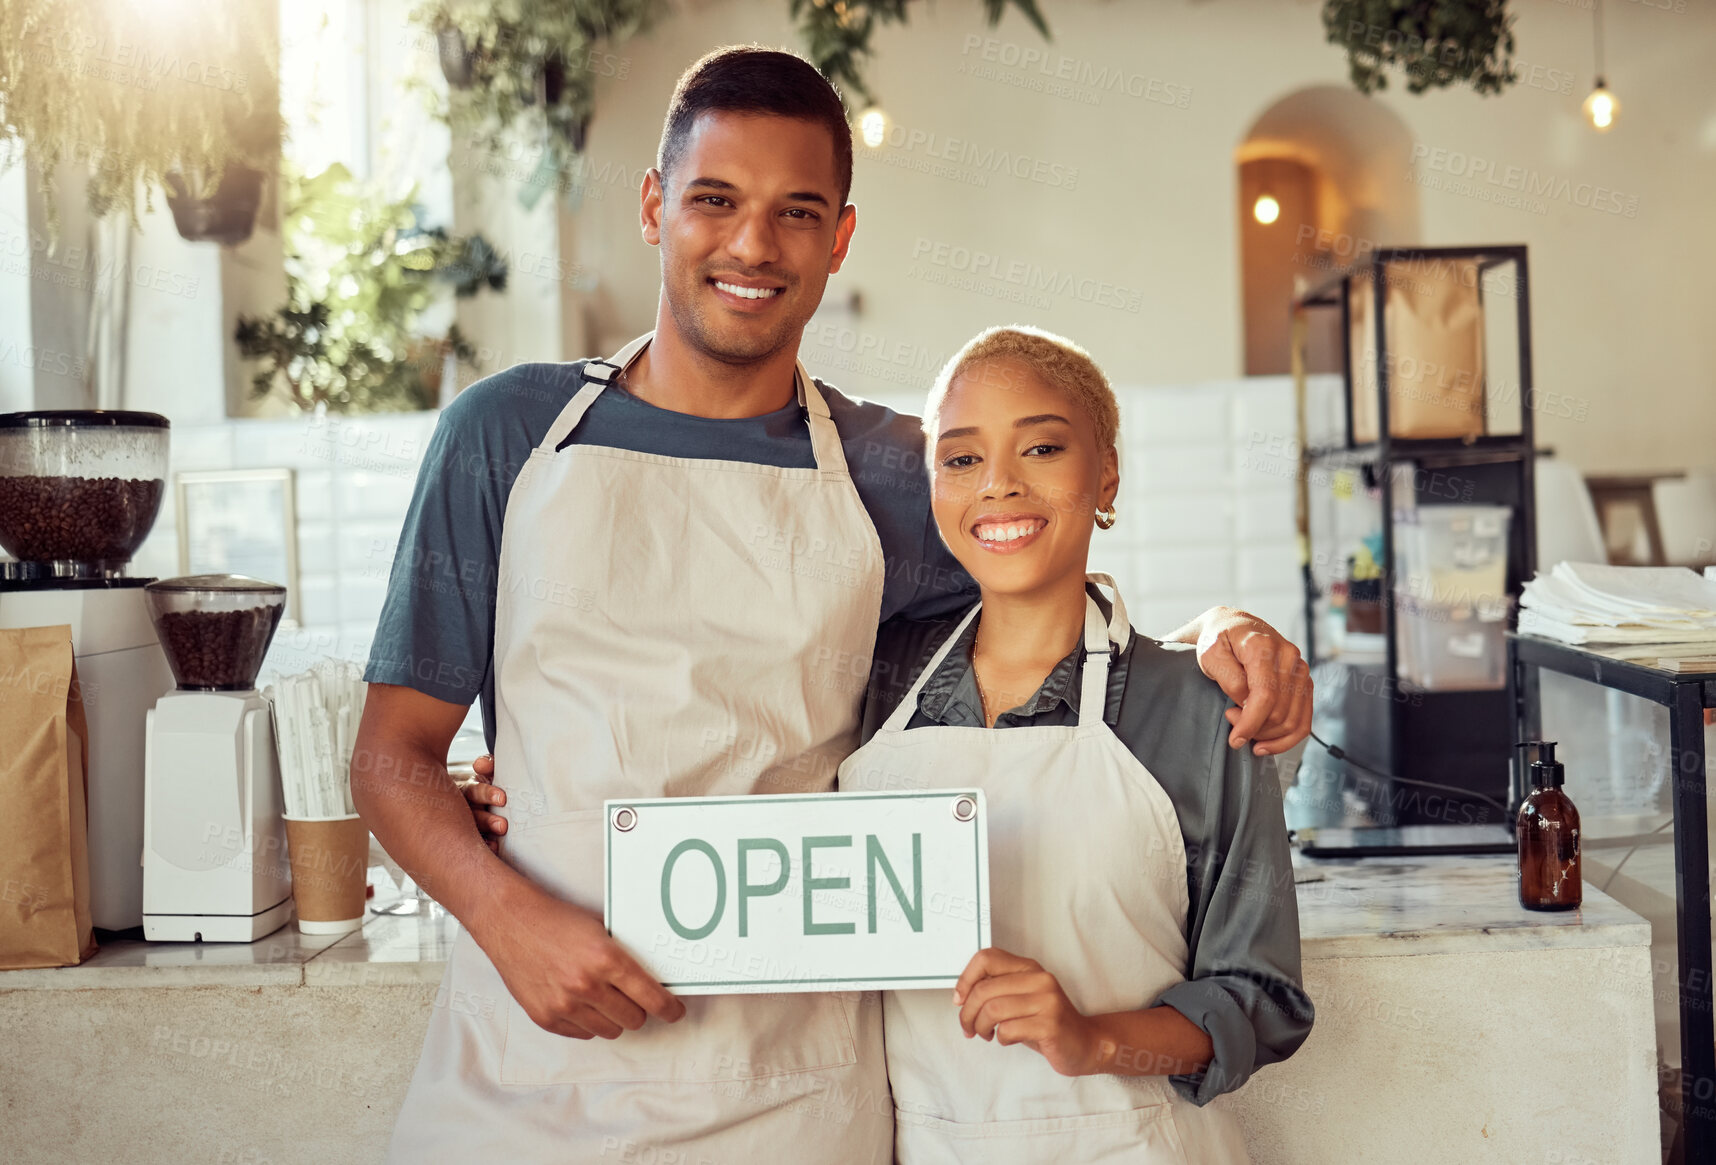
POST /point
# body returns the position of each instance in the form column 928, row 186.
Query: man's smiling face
column 750, row 225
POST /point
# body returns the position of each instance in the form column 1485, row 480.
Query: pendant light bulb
column 1601, row 108
column 873, row 127
column 1265, row 210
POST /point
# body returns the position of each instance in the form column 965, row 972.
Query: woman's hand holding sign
column 1010, row 999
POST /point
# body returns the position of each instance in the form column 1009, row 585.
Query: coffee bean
column 217, row 649
column 80, row 519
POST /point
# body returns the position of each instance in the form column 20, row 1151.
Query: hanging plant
column 837, row 33
column 1436, row 43
column 140, row 94
column 220, row 208
column 360, row 271
column 529, row 66
column 458, row 62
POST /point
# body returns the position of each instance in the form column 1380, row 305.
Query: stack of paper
column 316, row 718
column 1587, row 602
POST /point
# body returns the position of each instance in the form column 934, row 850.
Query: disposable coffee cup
column 330, row 865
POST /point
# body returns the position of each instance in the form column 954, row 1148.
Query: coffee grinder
column 215, row 866
column 79, row 493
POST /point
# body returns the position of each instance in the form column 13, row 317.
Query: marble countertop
column 1441, row 905
column 1347, row 909
column 403, row 941
column 1643, row 879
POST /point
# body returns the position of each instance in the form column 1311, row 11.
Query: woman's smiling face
column 1017, row 476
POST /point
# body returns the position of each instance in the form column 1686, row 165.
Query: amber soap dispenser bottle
column 1548, row 838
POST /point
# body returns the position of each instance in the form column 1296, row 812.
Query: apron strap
column 902, row 715
column 824, row 437
column 1119, row 626
column 597, row 375
column 1097, row 654
column 1102, row 638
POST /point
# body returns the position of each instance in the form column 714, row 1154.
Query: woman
column 1142, row 908
column 1146, row 955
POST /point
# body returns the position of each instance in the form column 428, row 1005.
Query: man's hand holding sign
column 572, row 978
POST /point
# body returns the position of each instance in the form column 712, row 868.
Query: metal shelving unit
column 1460, row 738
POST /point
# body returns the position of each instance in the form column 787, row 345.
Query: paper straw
column 348, row 739
column 283, row 734
column 289, row 762
column 303, row 756
column 291, row 780
column 300, row 768
column 312, row 762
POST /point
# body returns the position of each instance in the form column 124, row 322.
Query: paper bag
column 44, row 830
column 1435, row 324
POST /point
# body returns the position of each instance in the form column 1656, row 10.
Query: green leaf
column 1434, row 43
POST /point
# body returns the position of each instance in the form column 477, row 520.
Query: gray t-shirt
column 436, row 632
column 1244, row 986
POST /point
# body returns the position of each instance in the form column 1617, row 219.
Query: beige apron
column 1087, row 875
column 665, row 627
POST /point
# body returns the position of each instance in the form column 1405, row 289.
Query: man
column 662, row 575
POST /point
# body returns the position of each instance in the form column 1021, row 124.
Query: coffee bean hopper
column 214, row 839
column 79, row 492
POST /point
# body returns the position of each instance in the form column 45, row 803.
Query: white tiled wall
column 1205, row 513
column 1205, row 509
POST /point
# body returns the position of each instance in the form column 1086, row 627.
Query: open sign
column 816, row 892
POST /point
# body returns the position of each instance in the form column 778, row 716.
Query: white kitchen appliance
column 121, row 672
column 79, row 492
column 215, row 867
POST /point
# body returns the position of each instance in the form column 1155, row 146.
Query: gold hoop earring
column 1106, row 517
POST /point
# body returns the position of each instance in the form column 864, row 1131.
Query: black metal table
column 1686, row 695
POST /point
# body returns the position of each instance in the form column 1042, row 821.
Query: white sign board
column 817, row 892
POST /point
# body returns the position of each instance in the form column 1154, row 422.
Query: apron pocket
column 721, row 1038
column 1139, row 1136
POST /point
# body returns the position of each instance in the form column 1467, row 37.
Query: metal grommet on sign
column 625, row 818
column 964, row 808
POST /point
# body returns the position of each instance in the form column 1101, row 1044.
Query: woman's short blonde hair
column 1056, row 359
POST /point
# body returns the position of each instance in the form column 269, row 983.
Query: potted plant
column 458, row 62
column 1436, row 43
column 222, row 210
column 529, row 66
column 140, row 99
column 361, row 271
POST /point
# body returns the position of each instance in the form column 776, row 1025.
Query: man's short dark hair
column 761, row 81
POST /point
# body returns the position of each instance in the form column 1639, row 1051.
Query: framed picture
column 241, row 521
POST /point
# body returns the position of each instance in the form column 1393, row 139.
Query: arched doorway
column 1333, row 171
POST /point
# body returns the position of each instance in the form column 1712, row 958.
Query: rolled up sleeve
column 1244, row 987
